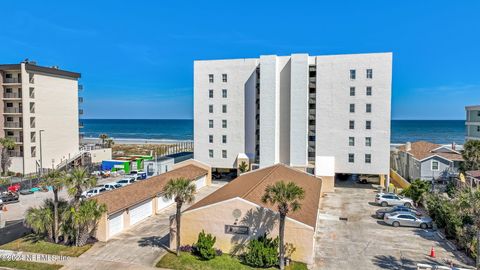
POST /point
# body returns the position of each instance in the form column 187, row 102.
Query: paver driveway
column 364, row 242
column 138, row 247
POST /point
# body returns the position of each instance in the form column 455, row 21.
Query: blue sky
column 136, row 60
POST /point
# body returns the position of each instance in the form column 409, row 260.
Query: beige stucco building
column 40, row 113
column 235, row 213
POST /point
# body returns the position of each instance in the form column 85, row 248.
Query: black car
column 380, row 213
column 9, row 197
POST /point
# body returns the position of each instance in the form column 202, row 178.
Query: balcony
column 13, row 125
column 80, row 111
column 12, row 110
column 12, row 96
column 15, row 153
column 12, row 80
column 80, row 87
column 80, row 124
column 15, row 139
column 80, row 99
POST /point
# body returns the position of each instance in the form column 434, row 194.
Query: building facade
column 325, row 114
column 40, row 114
column 472, row 123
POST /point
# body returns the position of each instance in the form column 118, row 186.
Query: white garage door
column 200, row 182
column 115, row 224
column 163, row 202
column 140, row 212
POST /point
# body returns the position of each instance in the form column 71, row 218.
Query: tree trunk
column 55, row 214
column 281, row 234
column 177, row 217
column 478, row 248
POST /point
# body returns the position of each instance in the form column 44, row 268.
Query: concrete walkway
column 137, row 248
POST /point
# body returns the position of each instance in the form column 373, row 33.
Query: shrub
column 262, row 252
column 204, row 246
column 417, row 190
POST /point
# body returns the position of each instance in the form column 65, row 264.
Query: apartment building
column 324, row 114
column 40, row 113
column 472, row 123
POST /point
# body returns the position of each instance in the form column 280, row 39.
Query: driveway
column 363, row 242
column 137, row 248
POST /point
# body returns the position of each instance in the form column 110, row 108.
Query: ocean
column 437, row 131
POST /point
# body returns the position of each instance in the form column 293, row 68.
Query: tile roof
column 119, row 199
column 422, row 149
column 251, row 187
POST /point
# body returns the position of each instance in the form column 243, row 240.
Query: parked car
column 389, row 199
column 8, row 197
column 380, row 213
column 407, row 219
column 111, row 186
column 368, row 178
column 93, row 192
column 216, row 175
column 14, row 187
column 126, row 181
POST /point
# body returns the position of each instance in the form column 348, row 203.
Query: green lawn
column 187, row 261
column 29, row 265
column 30, row 244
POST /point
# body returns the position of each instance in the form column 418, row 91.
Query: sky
column 136, row 58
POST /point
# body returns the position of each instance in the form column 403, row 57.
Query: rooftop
column 251, row 187
column 119, row 199
column 35, row 68
column 421, row 150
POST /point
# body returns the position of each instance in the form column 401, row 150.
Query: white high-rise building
column 326, row 114
column 40, row 114
column 472, row 123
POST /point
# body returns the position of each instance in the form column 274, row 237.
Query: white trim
column 429, row 157
column 252, row 204
column 438, row 166
column 447, row 148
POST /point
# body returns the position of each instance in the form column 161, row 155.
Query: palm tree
column 471, row 155
column 243, row 167
column 109, row 142
column 84, row 219
column 79, row 180
column 40, row 220
column 183, row 191
column 103, row 137
column 286, row 197
column 55, row 179
column 7, row 144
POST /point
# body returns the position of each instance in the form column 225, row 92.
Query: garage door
column 163, row 202
column 115, row 224
column 200, row 182
column 140, row 212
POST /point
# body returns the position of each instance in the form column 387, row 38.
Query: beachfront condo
column 40, row 114
column 473, row 123
column 325, row 114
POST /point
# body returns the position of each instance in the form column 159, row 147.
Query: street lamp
column 41, row 158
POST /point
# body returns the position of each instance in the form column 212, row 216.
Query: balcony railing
column 12, row 95
column 13, row 124
column 13, row 80
column 80, row 111
column 15, row 153
column 80, row 99
column 12, row 110
column 80, row 87
column 80, row 124
column 15, row 139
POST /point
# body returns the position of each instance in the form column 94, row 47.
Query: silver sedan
column 397, row 219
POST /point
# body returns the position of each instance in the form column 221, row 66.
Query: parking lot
column 360, row 241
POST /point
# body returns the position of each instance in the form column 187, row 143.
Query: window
column 368, row 108
column 478, row 128
column 224, row 93
column 210, row 108
column 224, row 108
column 353, row 74
column 210, row 78
column 210, row 153
column 368, row 158
column 351, row 158
column 352, row 108
column 224, row 153
column 224, row 138
column 478, row 113
column 435, row 165
column 352, row 91
column 9, row 90
column 210, row 138
column 351, row 141
column 368, row 124
column 224, row 123
column 369, row 73
column 368, row 141
column 224, row 77
column 33, row 151
column 210, row 93
column 351, row 124
column 369, row 90
column 210, row 123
